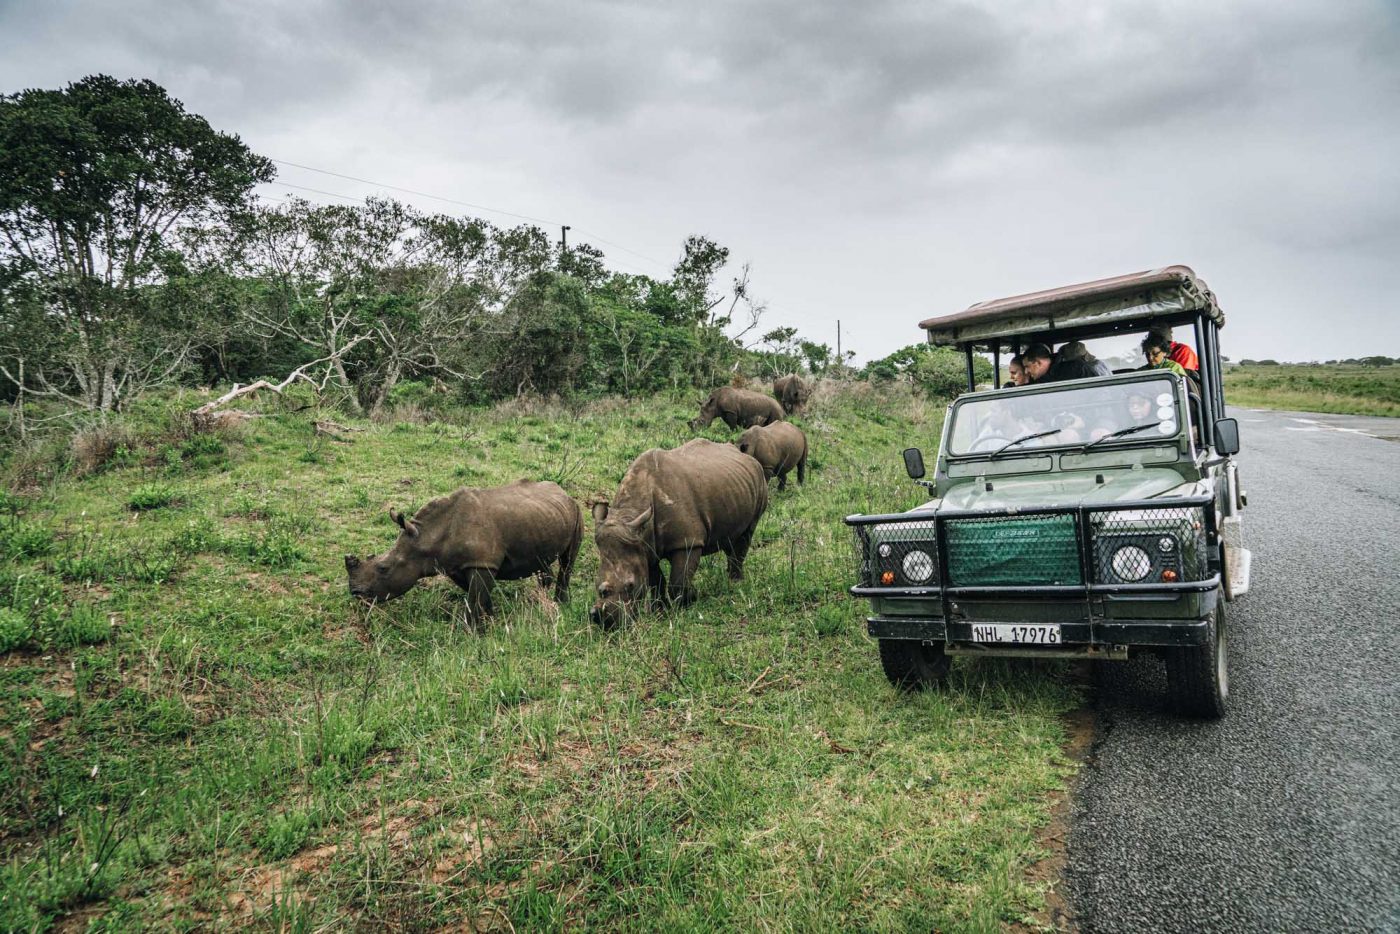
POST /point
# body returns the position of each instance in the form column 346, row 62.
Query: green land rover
column 1093, row 517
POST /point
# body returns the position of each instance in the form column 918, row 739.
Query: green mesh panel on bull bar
column 908, row 549
column 1013, row 550
column 1137, row 546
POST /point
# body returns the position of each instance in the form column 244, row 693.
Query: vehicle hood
column 1080, row 488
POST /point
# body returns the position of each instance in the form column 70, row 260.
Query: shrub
column 15, row 629
column 151, row 496
column 83, row 625
column 19, row 539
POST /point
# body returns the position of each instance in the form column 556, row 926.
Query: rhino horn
column 639, row 523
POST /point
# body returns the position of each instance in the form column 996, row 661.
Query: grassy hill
column 1296, row 387
column 199, row 726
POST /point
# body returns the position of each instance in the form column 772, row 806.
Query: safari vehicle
column 1092, row 518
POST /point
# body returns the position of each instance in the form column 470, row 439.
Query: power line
column 465, row 204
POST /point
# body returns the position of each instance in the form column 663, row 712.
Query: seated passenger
column 1075, row 350
column 1157, row 350
column 1176, row 351
column 1016, row 372
column 1044, row 367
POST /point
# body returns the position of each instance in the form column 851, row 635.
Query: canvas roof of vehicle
column 1171, row 294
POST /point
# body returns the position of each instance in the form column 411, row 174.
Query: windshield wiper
column 1023, row 439
column 1120, row 433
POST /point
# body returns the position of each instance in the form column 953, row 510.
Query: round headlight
column 1131, row 563
column 918, row 566
column 1166, row 544
column 884, row 549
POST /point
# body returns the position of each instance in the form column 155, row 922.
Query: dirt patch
column 1057, row 914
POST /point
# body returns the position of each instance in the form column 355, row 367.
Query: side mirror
column 914, row 463
column 1227, row 436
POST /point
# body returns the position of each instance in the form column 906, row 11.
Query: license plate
column 1018, row 635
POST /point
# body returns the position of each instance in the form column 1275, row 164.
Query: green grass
column 199, row 727
column 1345, row 390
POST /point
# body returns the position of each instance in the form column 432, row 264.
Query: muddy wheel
column 1198, row 677
column 912, row 665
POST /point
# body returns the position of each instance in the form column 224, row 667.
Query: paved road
column 1284, row 816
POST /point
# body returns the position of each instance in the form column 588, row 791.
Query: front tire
column 1198, row 677
column 912, row 665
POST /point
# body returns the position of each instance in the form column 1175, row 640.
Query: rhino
column 792, row 392
column 739, row 408
column 778, row 448
column 477, row 537
column 676, row 505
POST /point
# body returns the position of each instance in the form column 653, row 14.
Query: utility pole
column 564, row 237
column 839, row 359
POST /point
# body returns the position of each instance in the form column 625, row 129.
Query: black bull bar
column 1090, row 577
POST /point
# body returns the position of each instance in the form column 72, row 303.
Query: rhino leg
column 802, row 469
column 477, row 583
column 566, row 569
column 683, row 565
column 782, row 480
column 656, row 582
column 730, row 418
column 737, row 551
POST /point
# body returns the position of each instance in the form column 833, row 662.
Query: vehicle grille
column 1014, row 550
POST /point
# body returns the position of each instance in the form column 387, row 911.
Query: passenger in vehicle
column 1157, row 350
column 1176, row 351
column 1139, row 408
column 1042, row 366
column 1016, row 372
column 1075, row 350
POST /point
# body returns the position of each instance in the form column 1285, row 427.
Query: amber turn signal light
column 1169, row 576
column 887, row 577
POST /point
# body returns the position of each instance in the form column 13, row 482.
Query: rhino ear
column 407, row 525
column 600, row 511
column 640, row 522
column 351, row 562
column 743, row 447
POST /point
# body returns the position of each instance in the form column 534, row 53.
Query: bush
column 151, row 496
column 15, row 629
column 19, row 539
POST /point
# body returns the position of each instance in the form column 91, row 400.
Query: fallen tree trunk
column 208, row 414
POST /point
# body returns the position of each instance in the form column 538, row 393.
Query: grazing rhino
column 676, row 505
column 477, row 537
column 739, row 408
column 792, row 392
column 778, row 448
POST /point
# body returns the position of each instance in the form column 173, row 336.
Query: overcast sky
column 876, row 166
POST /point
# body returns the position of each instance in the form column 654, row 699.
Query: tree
column 96, row 182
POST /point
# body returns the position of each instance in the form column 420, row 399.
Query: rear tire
column 912, row 665
column 1198, row 677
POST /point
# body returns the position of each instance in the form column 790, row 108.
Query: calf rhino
column 792, row 392
column 477, row 537
column 778, row 448
column 739, row 408
column 697, row 499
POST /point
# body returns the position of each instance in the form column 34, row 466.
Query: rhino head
column 624, row 563
column 708, row 413
column 383, row 577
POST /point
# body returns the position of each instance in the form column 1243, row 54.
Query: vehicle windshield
column 1009, row 424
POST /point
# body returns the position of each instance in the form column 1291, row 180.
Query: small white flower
column 94, row 772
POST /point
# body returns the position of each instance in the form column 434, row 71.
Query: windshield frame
column 1051, row 444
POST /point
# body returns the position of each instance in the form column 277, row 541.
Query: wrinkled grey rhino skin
column 739, row 408
column 477, row 537
column 778, row 448
column 674, row 505
column 792, row 392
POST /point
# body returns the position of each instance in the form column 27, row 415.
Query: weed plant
column 200, row 729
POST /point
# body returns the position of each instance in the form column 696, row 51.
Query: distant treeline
column 1350, row 361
